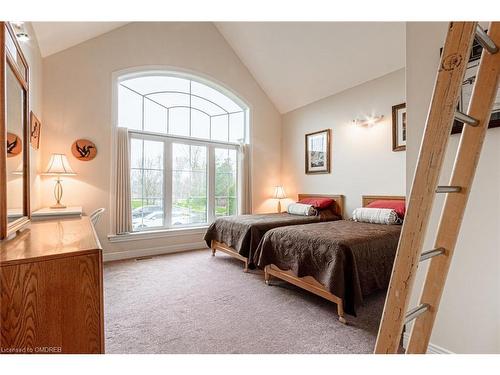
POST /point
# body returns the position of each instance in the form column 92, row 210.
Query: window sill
column 152, row 234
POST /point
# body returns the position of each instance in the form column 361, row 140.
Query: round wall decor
column 84, row 150
column 14, row 145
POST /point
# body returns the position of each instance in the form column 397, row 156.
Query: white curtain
column 123, row 209
column 245, row 179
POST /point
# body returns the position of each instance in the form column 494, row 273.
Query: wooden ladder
column 441, row 115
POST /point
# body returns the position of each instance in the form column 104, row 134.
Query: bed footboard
column 221, row 246
column 307, row 283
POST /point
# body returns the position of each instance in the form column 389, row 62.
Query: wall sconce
column 368, row 122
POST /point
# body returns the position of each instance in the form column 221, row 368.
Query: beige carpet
column 195, row 303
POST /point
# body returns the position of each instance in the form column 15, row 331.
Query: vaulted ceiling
column 295, row 63
column 57, row 36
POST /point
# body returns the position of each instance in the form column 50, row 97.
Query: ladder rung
column 415, row 312
column 431, row 253
column 485, row 41
column 466, row 119
column 448, row 189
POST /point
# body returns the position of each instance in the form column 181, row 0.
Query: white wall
column 78, row 104
column 363, row 162
column 469, row 316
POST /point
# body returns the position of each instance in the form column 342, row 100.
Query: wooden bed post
column 340, row 311
column 214, row 248
column 267, row 276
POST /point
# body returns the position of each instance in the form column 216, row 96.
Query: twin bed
column 239, row 236
column 339, row 260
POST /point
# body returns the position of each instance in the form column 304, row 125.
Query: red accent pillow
column 318, row 203
column 398, row 206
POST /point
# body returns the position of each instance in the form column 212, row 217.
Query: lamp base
column 58, row 205
column 58, row 192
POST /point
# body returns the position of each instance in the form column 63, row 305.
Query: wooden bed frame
column 309, row 283
column 221, row 246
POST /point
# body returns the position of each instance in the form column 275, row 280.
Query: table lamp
column 279, row 194
column 59, row 166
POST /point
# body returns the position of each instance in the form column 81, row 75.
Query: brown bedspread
column 350, row 259
column 243, row 233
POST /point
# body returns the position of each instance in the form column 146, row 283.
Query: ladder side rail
column 432, row 150
column 467, row 159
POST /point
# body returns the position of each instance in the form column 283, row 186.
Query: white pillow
column 301, row 209
column 376, row 215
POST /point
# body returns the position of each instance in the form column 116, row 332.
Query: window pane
column 180, row 157
column 189, row 184
column 215, row 96
column 153, row 155
column 226, row 202
column 237, row 127
column 136, row 183
column 200, row 124
column 129, row 109
column 136, row 153
column 155, row 117
column 147, row 184
column 147, row 213
column 220, row 128
column 206, row 106
column 198, row 158
column 171, row 99
column 152, row 186
column 178, row 121
column 155, row 83
column 136, row 213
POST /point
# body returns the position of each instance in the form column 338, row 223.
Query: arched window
column 185, row 137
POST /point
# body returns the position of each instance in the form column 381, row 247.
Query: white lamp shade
column 59, row 165
column 279, row 192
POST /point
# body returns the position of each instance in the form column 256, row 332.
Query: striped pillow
column 376, row 215
column 301, row 209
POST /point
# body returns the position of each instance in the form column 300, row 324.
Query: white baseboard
column 160, row 250
column 431, row 349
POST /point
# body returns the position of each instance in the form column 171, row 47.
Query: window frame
column 161, row 70
column 168, row 140
column 245, row 110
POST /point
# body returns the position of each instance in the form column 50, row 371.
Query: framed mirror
column 14, row 134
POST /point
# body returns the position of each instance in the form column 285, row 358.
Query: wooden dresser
column 52, row 289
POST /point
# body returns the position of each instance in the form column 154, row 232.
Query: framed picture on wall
column 399, row 127
column 35, row 127
column 317, row 155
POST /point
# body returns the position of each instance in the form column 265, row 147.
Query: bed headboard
column 367, row 199
column 339, row 201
